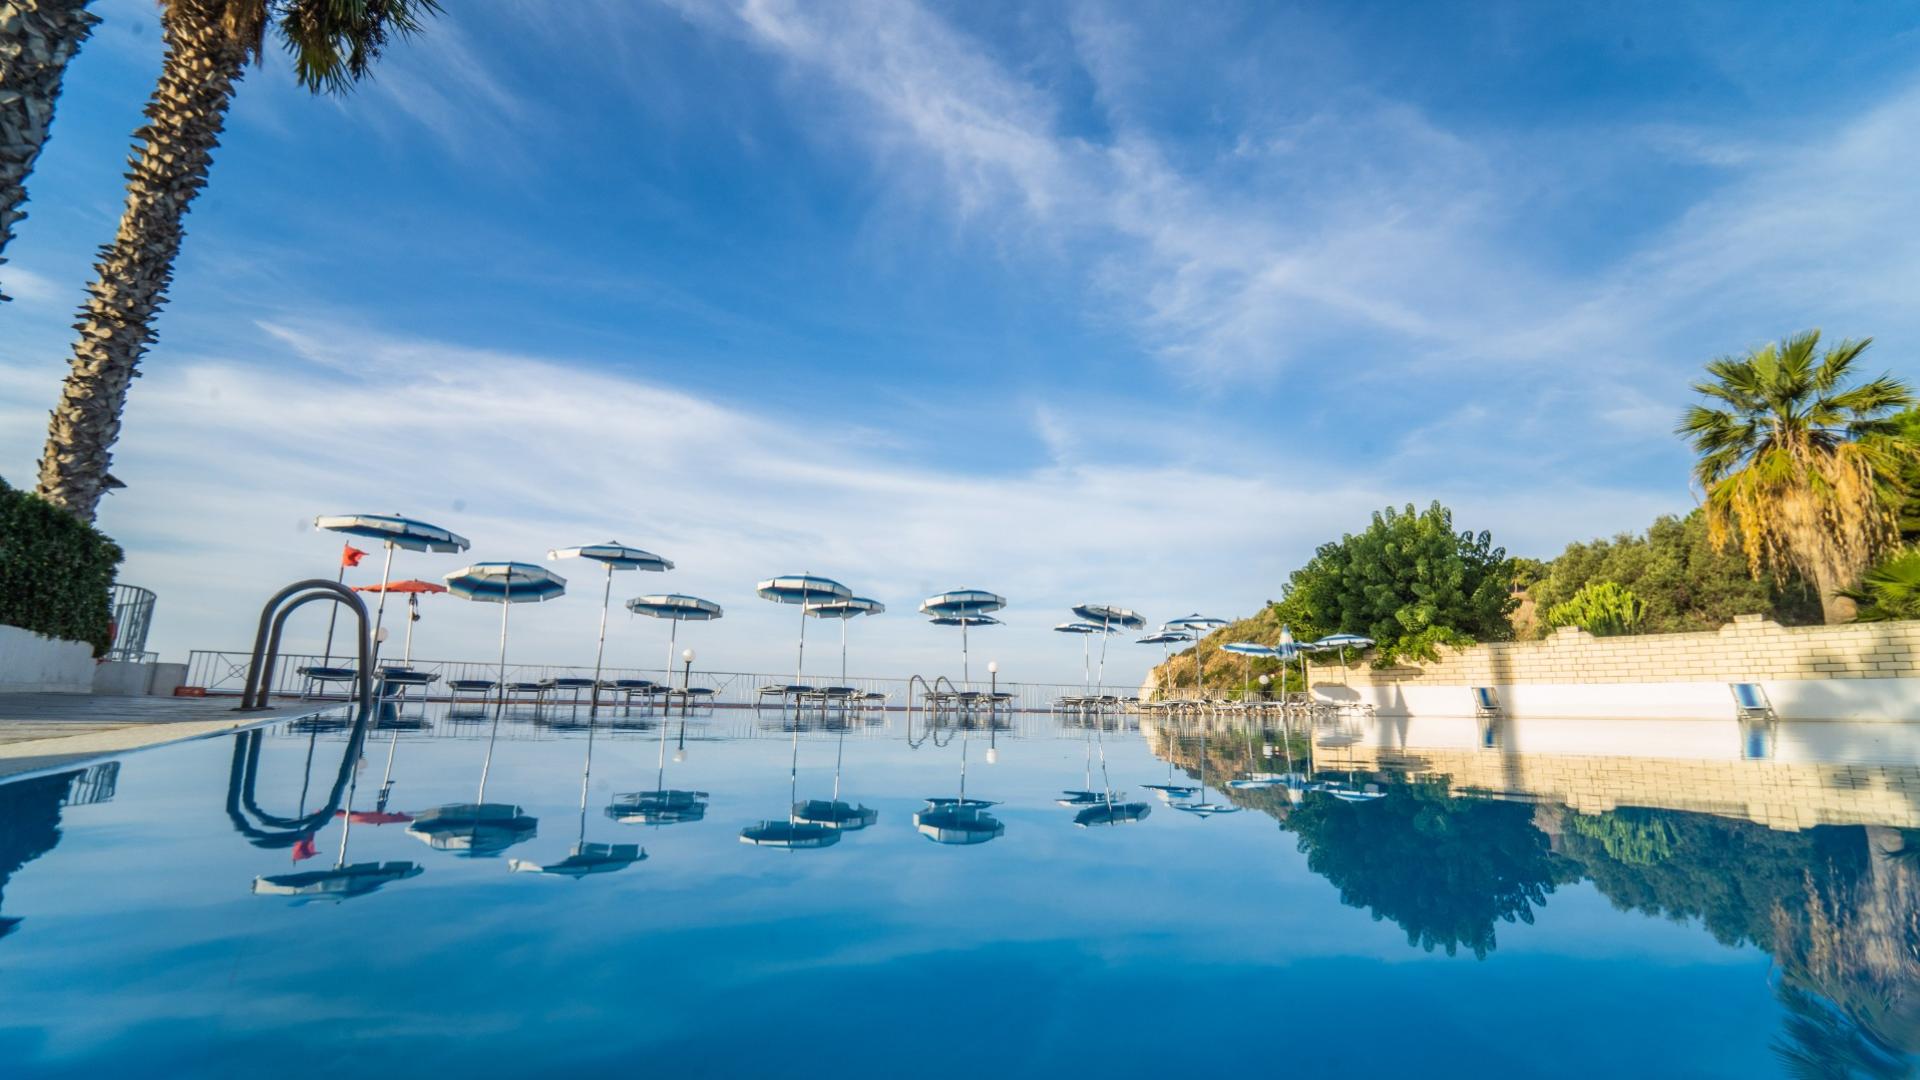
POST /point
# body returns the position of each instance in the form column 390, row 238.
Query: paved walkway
column 41, row 731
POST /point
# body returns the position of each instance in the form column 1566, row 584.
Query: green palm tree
column 1799, row 463
column 333, row 44
column 37, row 40
column 1890, row 590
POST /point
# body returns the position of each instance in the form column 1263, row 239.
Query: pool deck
column 46, row 731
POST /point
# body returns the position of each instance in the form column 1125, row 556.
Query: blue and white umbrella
column 802, row 589
column 614, row 556
column 506, row 584
column 846, row 611
column 677, row 609
column 1164, row 637
column 963, row 608
column 1341, row 642
column 1251, row 649
column 1198, row 625
column 1110, row 618
column 1085, row 630
column 392, row 531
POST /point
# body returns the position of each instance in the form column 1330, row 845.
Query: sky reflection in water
column 500, row 930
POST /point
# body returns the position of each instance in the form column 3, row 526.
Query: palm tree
column 37, row 39
column 1890, row 591
column 208, row 44
column 1801, row 466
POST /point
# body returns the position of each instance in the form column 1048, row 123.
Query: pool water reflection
column 747, row 895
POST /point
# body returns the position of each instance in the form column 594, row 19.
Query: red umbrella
column 413, row 587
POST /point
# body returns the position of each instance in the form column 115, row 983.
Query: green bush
column 1601, row 608
column 1890, row 590
column 1409, row 582
column 56, row 571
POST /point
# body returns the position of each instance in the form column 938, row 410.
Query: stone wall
column 1750, row 649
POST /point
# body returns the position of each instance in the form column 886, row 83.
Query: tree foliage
column 1446, row 870
column 1679, row 577
column 1409, row 582
column 1801, row 465
column 55, row 571
column 1601, row 608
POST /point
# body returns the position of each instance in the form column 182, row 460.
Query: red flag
column 305, row 849
column 350, row 555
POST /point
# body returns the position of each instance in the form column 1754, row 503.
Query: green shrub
column 56, row 571
column 1601, row 608
column 1890, row 590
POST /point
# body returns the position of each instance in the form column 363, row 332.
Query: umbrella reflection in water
column 958, row 820
column 344, row 880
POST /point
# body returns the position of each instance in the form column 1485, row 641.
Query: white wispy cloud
column 228, row 461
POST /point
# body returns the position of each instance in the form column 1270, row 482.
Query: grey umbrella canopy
column 1111, row 618
column 614, row 556
column 802, row 589
column 846, row 610
column 676, row 609
column 1085, row 630
column 963, row 608
column 391, row 531
column 1199, row 626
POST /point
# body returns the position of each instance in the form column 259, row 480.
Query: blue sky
column 1132, row 303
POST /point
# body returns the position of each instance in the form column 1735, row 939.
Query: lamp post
column 993, row 709
column 686, row 683
column 1266, row 681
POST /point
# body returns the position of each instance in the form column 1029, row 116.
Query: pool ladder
column 273, row 619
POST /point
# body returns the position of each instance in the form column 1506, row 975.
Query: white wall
column 1795, row 699
column 35, row 663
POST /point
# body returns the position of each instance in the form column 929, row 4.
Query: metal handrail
column 273, row 619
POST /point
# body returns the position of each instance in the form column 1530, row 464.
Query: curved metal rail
column 273, row 620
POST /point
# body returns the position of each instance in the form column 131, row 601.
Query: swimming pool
column 170, row 914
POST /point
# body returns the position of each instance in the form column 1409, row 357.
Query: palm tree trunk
column 1834, row 608
column 184, row 118
column 37, row 39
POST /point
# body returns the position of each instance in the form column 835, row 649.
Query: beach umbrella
column 614, row 556
column 802, row 589
column 584, row 858
column 1249, row 650
column 1342, row 642
column 1111, row 619
column 963, row 608
column 1198, row 625
column 676, row 609
column 393, row 531
column 414, row 590
column 846, row 610
column 1164, row 638
column 506, row 584
column 793, row 833
column 1086, row 641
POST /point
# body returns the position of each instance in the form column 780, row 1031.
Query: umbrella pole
column 800, row 664
column 666, row 699
column 333, row 615
column 1104, row 632
column 505, row 606
column 1086, row 665
column 380, row 612
column 600, row 653
column 966, row 664
column 346, row 822
column 413, row 614
column 843, row 650
column 386, row 778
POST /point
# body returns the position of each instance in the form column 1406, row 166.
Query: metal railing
column 221, row 672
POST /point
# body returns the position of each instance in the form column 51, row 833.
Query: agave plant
column 333, row 44
column 1799, row 464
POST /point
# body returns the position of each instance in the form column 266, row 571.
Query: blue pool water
column 154, row 920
